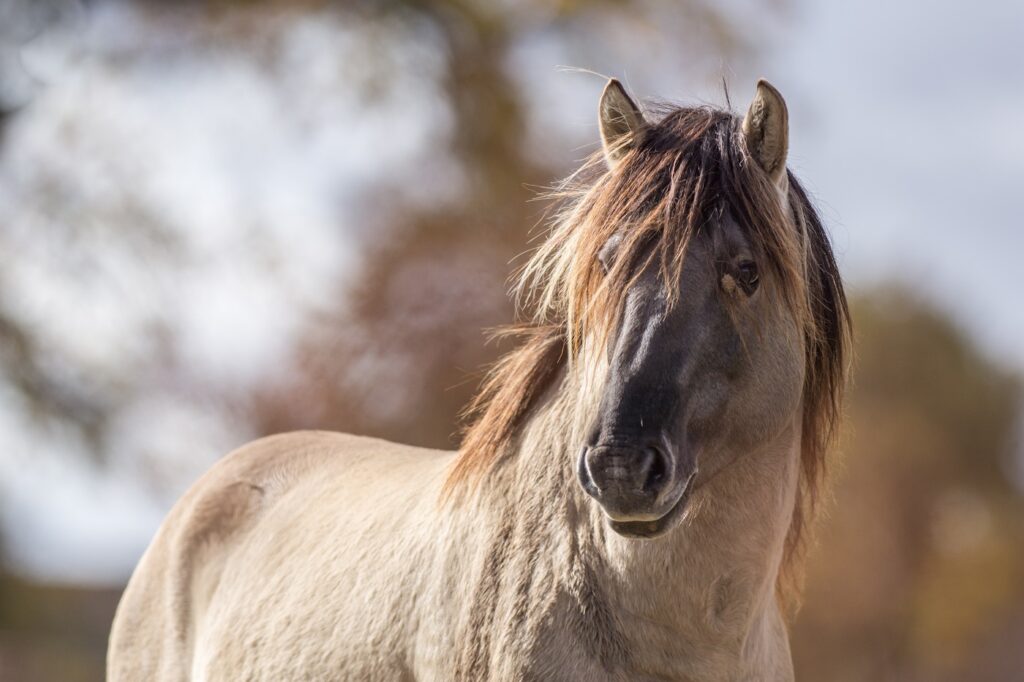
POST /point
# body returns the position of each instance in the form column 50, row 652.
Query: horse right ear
column 621, row 121
column 766, row 131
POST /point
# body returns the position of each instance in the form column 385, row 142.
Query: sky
column 905, row 126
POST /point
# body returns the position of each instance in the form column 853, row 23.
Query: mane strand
column 508, row 391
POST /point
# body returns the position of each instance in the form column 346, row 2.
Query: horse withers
column 631, row 496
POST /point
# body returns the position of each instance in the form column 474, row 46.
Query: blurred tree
column 923, row 555
column 394, row 360
column 79, row 217
column 435, row 266
column 21, row 362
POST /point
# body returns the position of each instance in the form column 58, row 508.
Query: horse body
column 652, row 553
column 315, row 556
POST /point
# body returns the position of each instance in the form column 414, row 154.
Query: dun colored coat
column 631, row 495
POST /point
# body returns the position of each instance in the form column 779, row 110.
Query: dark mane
column 689, row 165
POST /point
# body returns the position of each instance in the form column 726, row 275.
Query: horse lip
column 646, row 530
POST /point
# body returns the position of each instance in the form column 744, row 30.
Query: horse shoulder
column 154, row 628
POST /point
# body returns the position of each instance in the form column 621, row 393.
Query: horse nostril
column 624, row 472
column 584, row 475
column 655, row 465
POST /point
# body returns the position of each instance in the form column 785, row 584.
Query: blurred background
column 225, row 219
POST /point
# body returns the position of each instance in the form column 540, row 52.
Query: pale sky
column 906, row 123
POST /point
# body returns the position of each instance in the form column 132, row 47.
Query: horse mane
column 689, row 165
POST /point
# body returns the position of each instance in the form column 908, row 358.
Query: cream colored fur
column 320, row 556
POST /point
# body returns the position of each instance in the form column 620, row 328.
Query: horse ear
column 621, row 122
column 766, row 131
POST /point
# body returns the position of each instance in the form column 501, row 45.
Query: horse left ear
column 621, row 122
column 766, row 131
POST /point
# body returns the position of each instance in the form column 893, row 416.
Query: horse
column 633, row 493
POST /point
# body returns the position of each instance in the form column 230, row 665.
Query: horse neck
column 710, row 584
column 706, row 588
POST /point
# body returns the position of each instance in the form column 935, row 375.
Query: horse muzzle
column 642, row 489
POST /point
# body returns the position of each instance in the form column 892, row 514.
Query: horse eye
column 748, row 276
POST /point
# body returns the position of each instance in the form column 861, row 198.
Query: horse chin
column 648, row 530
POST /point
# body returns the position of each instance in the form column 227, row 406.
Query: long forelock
column 689, row 169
